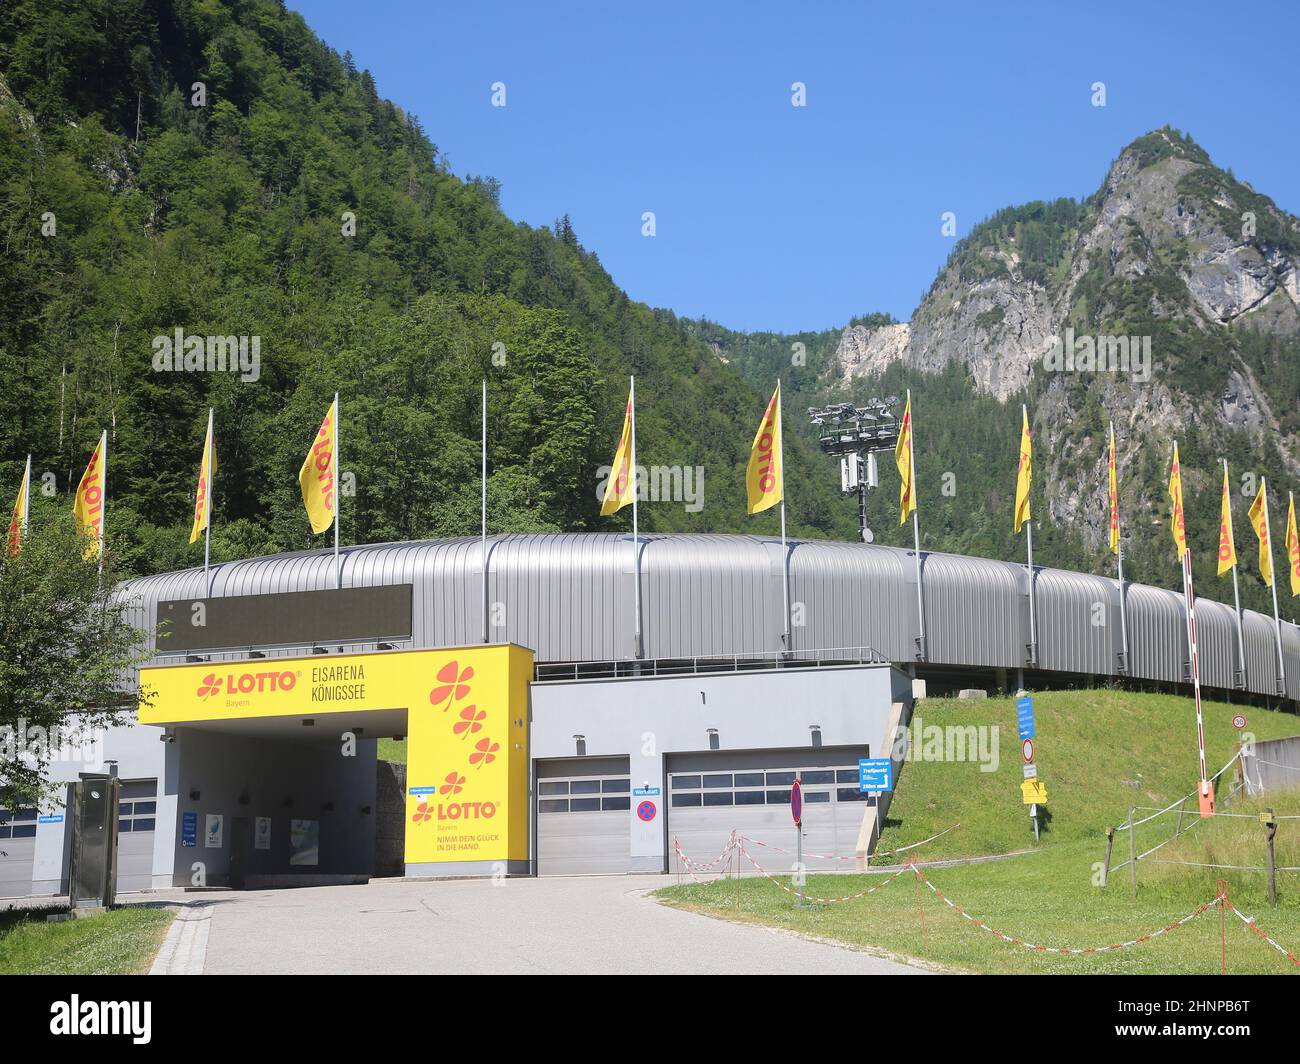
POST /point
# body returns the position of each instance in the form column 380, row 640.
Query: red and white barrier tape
column 692, row 868
column 1059, row 949
column 1249, row 921
column 835, row 857
column 823, row 901
column 737, row 842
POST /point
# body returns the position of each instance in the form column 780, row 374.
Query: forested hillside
column 128, row 212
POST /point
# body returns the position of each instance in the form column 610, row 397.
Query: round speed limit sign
column 1239, row 721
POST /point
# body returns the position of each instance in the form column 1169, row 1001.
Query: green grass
column 121, row 941
column 1100, row 752
column 392, row 750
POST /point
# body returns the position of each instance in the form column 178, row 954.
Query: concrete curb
column 185, row 948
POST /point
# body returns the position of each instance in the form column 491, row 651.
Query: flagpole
column 1119, row 560
column 1236, row 596
column 210, row 447
column 338, row 496
column 103, row 511
column 27, row 495
column 636, row 549
column 1207, row 794
column 916, row 531
column 1277, row 620
column 785, row 556
column 1029, row 540
column 483, row 508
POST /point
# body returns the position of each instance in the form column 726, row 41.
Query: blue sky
column 776, row 217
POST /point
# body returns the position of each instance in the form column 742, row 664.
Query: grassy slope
column 120, row 942
column 1100, row 752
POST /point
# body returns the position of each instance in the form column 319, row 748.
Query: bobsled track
column 715, row 601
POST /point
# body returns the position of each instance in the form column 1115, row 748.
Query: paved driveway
column 590, row 925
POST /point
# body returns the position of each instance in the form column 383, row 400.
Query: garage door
column 136, row 819
column 583, row 817
column 17, row 851
column 709, row 797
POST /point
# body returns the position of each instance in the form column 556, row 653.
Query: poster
column 189, row 829
column 214, row 829
column 262, row 833
column 304, row 842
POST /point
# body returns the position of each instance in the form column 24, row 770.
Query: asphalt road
column 586, row 925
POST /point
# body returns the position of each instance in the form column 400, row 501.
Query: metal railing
column 645, row 668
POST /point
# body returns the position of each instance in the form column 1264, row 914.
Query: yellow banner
column 765, row 474
column 1227, row 543
column 319, row 472
column 18, row 522
column 1024, row 472
column 620, row 490
column 1114, row 497
column 1258, row 514
column 1293, row 548
column 904, row 459
column 88, row 504
column 203, row 496
column 465, row 712
column 1177, row 524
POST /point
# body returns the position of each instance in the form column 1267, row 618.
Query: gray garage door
column 136, row 821
column 710, row 795
column 583, row 817
column 17, row 851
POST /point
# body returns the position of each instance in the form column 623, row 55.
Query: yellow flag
column 1258, row 514
column 1293, row 548
column 1177, row 524
column 88, row 504
column 1025, row 472
column 620, row 489
column 765, row 474
column 18, row 522
column 203, row 496
column 1114, row 496
column 903, row 458
column 319, row 471
column 1227, row 543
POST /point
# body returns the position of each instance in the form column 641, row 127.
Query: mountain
column 209, row 172
column 1171, row 255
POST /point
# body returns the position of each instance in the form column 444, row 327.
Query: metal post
column 636, row 548
column 1270, row 830
column 1123, row 610
column 1105, row 868
column 483, row 510
column 210, row 445
column 1033, row 623
column 1277, row 621
column 1132, row 855
column 338, row 495
column 798, row 831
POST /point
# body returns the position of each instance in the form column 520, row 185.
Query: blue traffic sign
column 1025, row 717
column 189, row 829
column 875, row 774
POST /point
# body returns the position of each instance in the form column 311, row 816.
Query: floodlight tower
column 855, row 434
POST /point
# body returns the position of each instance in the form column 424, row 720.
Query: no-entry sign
column 796, row 803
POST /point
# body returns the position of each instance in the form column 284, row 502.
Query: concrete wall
column 1272, row 765
column 648, row 718
column 239, row 776
column 139, row 755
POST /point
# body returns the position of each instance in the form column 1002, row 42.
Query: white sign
column 1031, row 771
column 262, row 833
column 213, row 831
column 304, row 842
